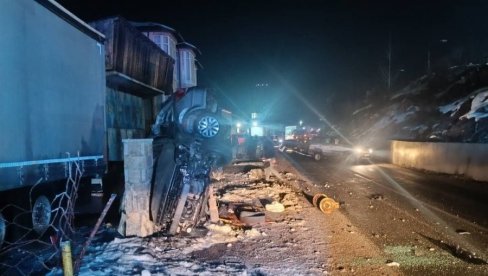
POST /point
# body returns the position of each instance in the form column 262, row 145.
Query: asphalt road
column 429, row 223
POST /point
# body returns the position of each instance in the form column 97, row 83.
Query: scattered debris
column 392, row 263
column 252, row 218
column 326, row 204
column 377, row 197
column 256, row 174
column 275, row 207
column 462, row 232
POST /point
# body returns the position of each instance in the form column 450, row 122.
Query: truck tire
column 41, row 214
column 317, row 156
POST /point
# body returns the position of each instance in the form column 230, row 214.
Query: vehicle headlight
column 358, row 150
column 370, row 151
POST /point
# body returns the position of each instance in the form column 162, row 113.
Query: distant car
column 277, row 140
column 289, row 145
column 326, row 147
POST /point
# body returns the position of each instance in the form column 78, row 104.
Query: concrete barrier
column 470, row 160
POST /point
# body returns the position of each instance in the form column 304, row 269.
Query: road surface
column 428, row 223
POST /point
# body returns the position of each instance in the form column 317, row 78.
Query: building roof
column 187, row 45
column 156, row 27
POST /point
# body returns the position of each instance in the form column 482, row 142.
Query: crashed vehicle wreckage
column 191, row 136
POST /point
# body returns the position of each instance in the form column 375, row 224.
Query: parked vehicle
column 327, row 147
column 52, row 109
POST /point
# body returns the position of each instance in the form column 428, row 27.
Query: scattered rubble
column 275, row 207
column 392, row 263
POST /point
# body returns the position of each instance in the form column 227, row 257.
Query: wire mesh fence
column 32, row 234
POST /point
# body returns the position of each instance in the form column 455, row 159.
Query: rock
column 377, row 196
column 275, row 207
column 256, row 174
column 252, row 233
column 392, row 263
column 223, row 229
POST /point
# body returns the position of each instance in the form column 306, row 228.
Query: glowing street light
column 238, row 125
column 254, row 123
column 301, row 122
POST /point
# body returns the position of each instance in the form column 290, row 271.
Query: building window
column 164, row 41
column 188, row 70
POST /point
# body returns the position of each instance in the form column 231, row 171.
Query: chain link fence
column 33, row 233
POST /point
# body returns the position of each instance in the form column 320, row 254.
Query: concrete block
column 137, row 147
column 138, row 162
column 138, row 169
column 137, row 176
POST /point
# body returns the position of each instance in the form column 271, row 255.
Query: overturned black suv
column 191, row 136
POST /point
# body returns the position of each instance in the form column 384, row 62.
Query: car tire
column 317, row 156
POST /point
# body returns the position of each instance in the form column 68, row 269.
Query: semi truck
column 53, row 117
column 52, row 108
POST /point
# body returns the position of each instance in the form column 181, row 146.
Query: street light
column 238, row 125
column 254, row 123
column 301, row 122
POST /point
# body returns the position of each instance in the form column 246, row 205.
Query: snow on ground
column 362, row 109
column 191, row 254
column 479, row 106
column 295, row 240
column 413, row 88
column 393, row 116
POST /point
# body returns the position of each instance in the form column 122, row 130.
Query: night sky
column 330, row 52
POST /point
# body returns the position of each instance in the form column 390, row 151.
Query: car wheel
column 317, row 156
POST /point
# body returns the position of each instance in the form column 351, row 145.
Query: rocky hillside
column 451, row 106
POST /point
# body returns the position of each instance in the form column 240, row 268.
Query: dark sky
column 330, row 52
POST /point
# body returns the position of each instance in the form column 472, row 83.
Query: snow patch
column 362, row 109
column 479, row 107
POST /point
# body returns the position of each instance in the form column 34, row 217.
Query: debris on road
column 392, row 263
column 462, row 232
column 275, row 207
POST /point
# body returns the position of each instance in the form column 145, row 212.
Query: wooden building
column 137, row 72
column 184, row 53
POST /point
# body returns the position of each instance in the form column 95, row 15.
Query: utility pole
column 389, row 61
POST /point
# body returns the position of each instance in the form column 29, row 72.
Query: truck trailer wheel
column 3, row 227
column 41, row 214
